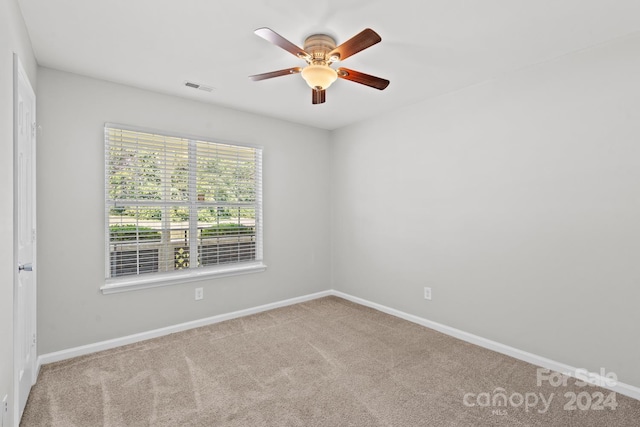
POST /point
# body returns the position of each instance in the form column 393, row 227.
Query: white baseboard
column 143, row 336
column 622, row 388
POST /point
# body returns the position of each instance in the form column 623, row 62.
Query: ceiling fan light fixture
column 319, row 76
column 320, row 51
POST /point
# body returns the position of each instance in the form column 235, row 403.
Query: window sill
column 155, row 280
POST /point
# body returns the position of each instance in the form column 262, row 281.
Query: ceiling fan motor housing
column 319, row 46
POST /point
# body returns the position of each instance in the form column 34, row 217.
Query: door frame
column 19, row 74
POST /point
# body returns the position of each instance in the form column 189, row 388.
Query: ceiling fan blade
column 366, row 38
column 362, row 78
column 271, row 36
column 278, row 73
column 318, row 96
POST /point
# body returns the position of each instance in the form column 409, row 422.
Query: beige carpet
column 327, row 362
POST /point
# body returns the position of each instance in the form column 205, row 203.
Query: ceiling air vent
column 199, row 86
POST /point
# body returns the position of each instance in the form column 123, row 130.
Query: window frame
column 157, row 279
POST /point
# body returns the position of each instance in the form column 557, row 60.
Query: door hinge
column 34, row 339
column 33, row 129
column 4, row 416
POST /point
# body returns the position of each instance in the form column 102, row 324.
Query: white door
column 24, row 237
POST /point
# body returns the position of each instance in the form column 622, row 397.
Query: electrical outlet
column 4, row 418
column 199, row 294
column 427, row 293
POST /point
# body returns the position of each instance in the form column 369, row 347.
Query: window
column 179, row 208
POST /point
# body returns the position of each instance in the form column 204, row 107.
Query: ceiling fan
column 320, row 52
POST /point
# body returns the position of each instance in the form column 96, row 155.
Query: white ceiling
column 429, row 47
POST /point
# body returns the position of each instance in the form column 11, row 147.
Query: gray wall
column 13, row 39
column 517, row 201
column 72, row 311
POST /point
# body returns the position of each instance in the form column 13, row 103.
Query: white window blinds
column 176, row 203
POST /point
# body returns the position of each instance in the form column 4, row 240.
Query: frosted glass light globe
column 319, row 76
